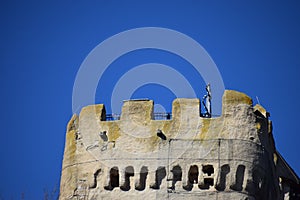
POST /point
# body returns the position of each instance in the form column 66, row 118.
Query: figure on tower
column 206, row 101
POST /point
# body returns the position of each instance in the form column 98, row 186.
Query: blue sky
column 255, row 44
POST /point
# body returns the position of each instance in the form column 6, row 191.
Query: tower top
column 185, row 156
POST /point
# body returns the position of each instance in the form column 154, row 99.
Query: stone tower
column 181, row 156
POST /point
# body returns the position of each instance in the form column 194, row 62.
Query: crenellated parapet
column 183, row 157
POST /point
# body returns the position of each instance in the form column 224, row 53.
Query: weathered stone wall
column 187, row 157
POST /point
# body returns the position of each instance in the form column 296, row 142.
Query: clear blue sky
column 255, row 44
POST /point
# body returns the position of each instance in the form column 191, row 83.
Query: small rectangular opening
column 208, row 169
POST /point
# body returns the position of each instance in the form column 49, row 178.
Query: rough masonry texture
column 232, row 156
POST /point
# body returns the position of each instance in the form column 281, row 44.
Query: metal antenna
column 257, row 100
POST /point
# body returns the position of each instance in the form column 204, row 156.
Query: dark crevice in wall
column 192, row 177
column 177, row 175
column 129, row 171
column 94, row 185
column 239, row 178
column 142, row 182
column 160, row 174
column 221, row 183
column 208, row 181
column 114, row 179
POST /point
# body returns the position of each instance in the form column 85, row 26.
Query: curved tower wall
column 232, row 156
